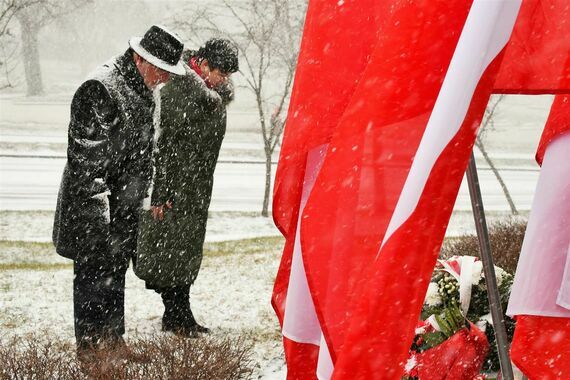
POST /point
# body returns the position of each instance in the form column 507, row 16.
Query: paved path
column 32, row 184
column 28, row 183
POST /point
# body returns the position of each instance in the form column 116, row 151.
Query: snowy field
column 231, row 296
column 232, row 293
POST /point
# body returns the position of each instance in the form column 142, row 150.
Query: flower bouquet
column 455, row 339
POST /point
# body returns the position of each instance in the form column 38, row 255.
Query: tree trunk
column 265, row 211
column 31, row 55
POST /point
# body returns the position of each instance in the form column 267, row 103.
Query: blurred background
column 48, row 47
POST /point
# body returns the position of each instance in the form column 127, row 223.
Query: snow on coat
column 109, row 162
column 192, row 127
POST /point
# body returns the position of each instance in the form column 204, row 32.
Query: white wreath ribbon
column 464, row 278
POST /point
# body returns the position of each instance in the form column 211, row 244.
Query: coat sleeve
column 93, row 115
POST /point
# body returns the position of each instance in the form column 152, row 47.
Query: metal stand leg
column 489, row 270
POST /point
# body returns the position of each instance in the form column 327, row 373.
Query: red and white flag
column 390, row 173
column 337, row 40
column 540, row 298
column 385, row 108
column 412, row 147
column 537, row 61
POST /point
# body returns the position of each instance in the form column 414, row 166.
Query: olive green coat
column 192, row 127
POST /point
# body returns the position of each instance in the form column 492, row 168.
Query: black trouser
column 98, row 299
column 99, row 286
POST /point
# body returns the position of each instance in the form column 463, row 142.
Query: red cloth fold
column 536, row 58
column 558, row 122
column 458, row 358
column 541, row 347
column 301, row 360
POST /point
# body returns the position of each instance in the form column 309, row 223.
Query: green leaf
column 434, row 338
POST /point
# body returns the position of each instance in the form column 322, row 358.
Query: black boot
column 193, row 325
column 178, row 317
column 174, row 300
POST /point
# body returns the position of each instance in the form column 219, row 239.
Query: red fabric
column 279, row 296
column 337, row 41
column 301, row 360
column 194, row 66
column 458, row 358
column 366, row 165
column 382, row 324
column 537, row 58
column 558, row 122
column 541, row 347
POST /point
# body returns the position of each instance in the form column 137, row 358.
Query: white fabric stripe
column 486, row 31
column 324, row 365
column 542, row 280
column 563, row 299
column 465, row 282
column 300, row 322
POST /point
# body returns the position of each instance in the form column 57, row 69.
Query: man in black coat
column 108, row 169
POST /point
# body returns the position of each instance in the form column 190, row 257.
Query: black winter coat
column 192, row 127
column 109, row 162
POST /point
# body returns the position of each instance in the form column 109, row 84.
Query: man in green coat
column 192, row 127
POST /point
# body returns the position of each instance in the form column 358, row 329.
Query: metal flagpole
column 489, row 270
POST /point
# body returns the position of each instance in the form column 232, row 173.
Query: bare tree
column 8, row 60
column 90, row 49
column 32, row 19
column 488, row 123
column 9, row 9
column 8, row 45
column 267, row 34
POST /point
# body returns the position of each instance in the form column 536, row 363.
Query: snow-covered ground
column 233, row 290
column 36, row 226
column 231, row 295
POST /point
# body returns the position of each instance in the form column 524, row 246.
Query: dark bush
column 506, row 238
column 159, row 357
